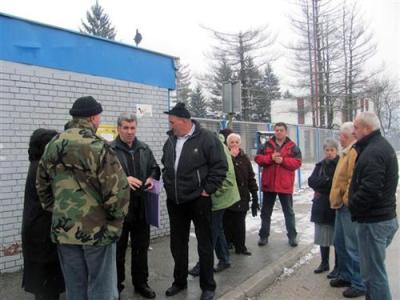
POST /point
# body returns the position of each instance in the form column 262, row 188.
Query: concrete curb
column 261, row 280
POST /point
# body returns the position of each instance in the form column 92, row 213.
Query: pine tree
column 287, row 95
column 268, row 90
column 183, row 79
column 198, row 104
column 251, row 86
column 237, row 48
column 98, row 23
column 219, row 73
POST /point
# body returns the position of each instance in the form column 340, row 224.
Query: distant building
column 298, row 111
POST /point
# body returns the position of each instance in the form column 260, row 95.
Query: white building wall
column 33, row 97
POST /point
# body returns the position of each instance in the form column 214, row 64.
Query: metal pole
column 298, row 145
column 259, row 172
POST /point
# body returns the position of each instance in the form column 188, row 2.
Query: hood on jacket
column 38, row 141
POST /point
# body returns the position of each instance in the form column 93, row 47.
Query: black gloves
column 254, row 205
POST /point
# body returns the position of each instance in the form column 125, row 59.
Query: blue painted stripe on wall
column 42, row 45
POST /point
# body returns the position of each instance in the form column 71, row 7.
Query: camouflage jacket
column 82, row 182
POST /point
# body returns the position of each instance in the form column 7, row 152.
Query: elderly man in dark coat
column 194, row 168
column 372, row 202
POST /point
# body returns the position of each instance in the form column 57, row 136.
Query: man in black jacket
column 194, row 168
column 372, row 202
column 141, row 168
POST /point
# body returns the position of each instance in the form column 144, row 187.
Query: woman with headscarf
column 42, row 273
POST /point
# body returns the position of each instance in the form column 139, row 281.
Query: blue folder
column 153, row 204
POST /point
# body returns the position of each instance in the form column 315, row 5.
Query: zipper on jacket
column 198, row 177
column 175, row 171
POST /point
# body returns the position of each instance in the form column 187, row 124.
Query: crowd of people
column 85, row 199
column 354, row 207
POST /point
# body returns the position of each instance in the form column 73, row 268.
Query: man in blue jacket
column 194, row 168
column 372, row 202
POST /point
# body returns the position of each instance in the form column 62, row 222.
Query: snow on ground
column 302, row 208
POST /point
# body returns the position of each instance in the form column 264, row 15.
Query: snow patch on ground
column 304, row 227
column 302, row 261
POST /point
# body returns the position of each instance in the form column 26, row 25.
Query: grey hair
column 347, row 128
column 369, row 118
column 128, row 117
column 330, row 143
column 233, row 135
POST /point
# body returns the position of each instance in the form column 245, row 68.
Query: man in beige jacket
column 345, row 237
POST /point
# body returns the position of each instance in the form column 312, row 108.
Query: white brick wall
column 33, row 97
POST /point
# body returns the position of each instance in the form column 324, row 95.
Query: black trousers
column 266, row 212
column 235, row 228
column 139, row 232
column 180, row 216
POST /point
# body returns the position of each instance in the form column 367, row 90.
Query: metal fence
column 309, row 139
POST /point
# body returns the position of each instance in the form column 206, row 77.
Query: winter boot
column 324, row 266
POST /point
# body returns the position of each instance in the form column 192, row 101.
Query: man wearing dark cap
column 194, row 168
column 81, row 181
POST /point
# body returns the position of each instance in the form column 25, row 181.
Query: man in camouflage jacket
column 82, row 182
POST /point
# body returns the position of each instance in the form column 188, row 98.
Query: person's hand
column 278, row 160
column 234, row 151
column 274, row 155
column 134, row 183
column 205, row 194
column 254, row 205
column 254, row 208
column 148, row 185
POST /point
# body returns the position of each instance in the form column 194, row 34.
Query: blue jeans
column 90, row 272
column 218, row 236
column 266, row 212
column 346, row 247
column 373, row 239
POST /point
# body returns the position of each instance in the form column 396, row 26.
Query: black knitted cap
column 85, row 107
column 179, row 111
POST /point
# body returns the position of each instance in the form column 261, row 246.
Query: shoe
column 333, row 274
column 353, row 293
column 207, row 295
column 243, row 252
column 221, row 266
column 293, row 242
column 321, row 268
column 337, row 282
column 145, row 291
column 195, row 271
column 262, row 242
column 174, row 289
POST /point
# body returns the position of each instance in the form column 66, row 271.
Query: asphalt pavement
column 248, row 276
column 275, row 271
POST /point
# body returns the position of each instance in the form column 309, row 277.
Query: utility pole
column 316, row 60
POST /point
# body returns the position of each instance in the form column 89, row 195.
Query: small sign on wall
column 107, row 132
column 144, row 110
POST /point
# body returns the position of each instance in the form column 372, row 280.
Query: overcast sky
column 173, row 26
